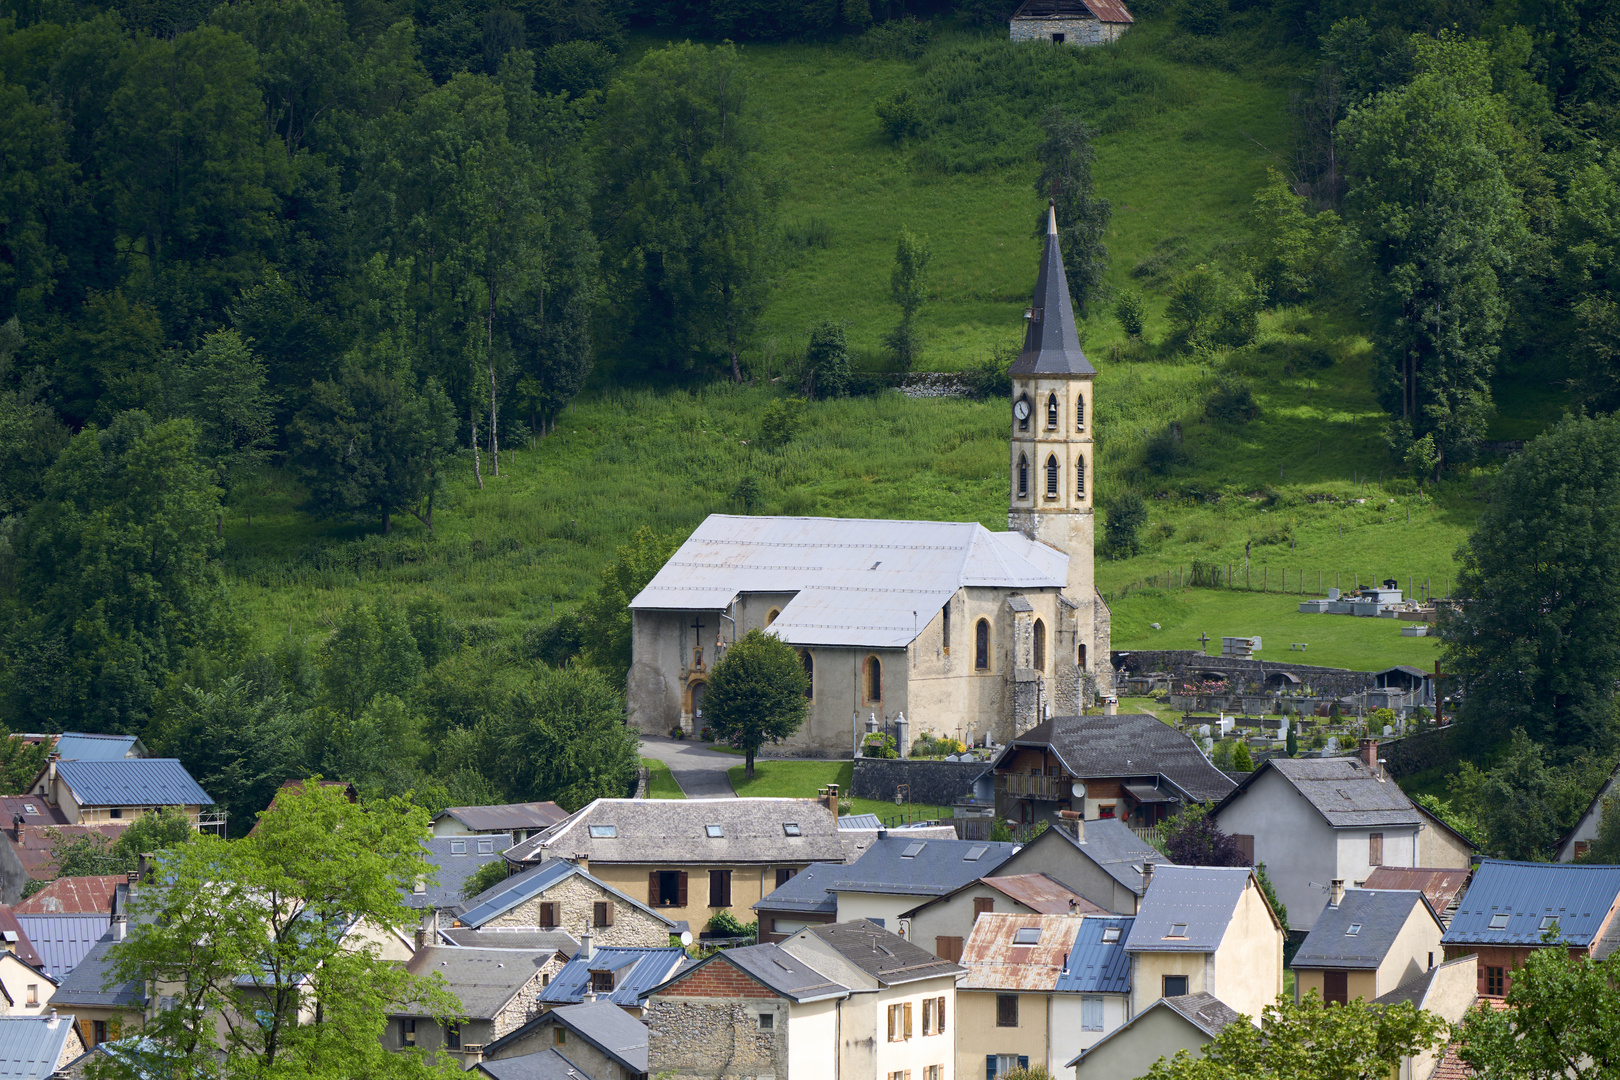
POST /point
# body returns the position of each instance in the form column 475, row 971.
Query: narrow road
column 701, row 772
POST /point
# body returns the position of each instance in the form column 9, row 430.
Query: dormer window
column 604, row 832
column 486, row 847
column 1051, row 411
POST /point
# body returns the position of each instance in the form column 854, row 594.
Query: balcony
column 1049, row 788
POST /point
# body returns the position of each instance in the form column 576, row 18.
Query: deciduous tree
column 1066, row 158
column 756, row 694
column 1560, row 1023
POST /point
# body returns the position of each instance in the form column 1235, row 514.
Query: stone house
column 1188, row 1022
column 1366, row 943
column 561, row 895
column 597, row 1038
column 692, row 858
column 620, row 974
column 454, row 859
column 882, row 1007
column 1205, row 929
column 517, row 820
column 944, row 923
column 1069, row 22
column 1129, row 766
column 1314, row 821
column 1102, row 860
column 1511, row 907
column 499, row 991
column 962, row 631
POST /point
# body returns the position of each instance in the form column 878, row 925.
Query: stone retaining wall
column 934, row 783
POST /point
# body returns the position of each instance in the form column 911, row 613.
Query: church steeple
column 1051, row 345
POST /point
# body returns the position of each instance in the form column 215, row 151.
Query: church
column 965, row 632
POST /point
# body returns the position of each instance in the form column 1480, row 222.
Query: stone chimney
column 829, row 799
column 1367, row 750
column 1074, row 822
column 471, row 1055
column 582, row 859
column 585, row 950
column 1335, row 892
column 421, row 938
column 1110, row 706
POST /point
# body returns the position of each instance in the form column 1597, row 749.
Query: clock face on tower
column 1021, row 409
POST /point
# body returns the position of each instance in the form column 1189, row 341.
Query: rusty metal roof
column 1008, row 951
column 1044, row 893
column 75, row 896
column 1442, row 887
column 1108, row 11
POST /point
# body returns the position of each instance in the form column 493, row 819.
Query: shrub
column 1129, row 310
column 1165, row 451
column 926, row 745
column 1127, row 513
column 1232, row 402
column 899, row 114
column 780, row 422
column 555, row 643
column 826, row 363
column 897, row 39
column 724, row 924
column 575, row 68
column 812, row 232
column 1241, row 759
column 1202, row 17
column 880, row 745
column 989, row 378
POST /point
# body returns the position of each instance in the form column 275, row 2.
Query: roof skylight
column 1110, row 935
column 790, row 828
column 913, row 850
column 604, row 832
column 1353, row 930
column 713, row 831
column 1499, row 921
column 1027, row 935
column 975, row 853
column 1549, row 921
column 1177, row 930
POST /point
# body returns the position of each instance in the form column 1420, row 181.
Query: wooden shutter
column 939, row 1015
column 607, row 906
column 907, row 1014
column 928, row 1016
column 1245, row 845
column 652, row 888
column 548, row 914
column 891, row 1022
column 680, row 895
column 719, row 888
column 982, row 904
column 948, row 948
column 1335, row 987
column 1006, row 1010
column 1375, row 849
column 989, row 1067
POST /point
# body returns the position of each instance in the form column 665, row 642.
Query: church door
column 698, row 690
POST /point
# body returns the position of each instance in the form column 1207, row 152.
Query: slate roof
column 83, row 746
column 483, row 980
column 489, row 819
column 1115, row 849
column 1442, row 886
column 783, row 972
column 84, row 984
column 494, row 937
column 132, row 782
column 548, row 1064
column 856, row 581
column 635, row 972
column 1203, row 898
column 601, row 1023
column 1051, row 345
column 63, row 940
column 1126, row 745
column 807, row 892
column 670, row 832
column 1204, row 1011
column 995, row 960
column 1097, row 966
column 1578, row 896
column 30, row 1046
column 886, row 957
column 503, row 897
column 75, row 896
column 1377, row 916
column 452, row 870
column 21, row 945
column 910, row 867
column 1343, row 790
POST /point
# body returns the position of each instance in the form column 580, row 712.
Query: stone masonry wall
column 523, row 1007
column 575, row 897
column 707, row 1028
column 936, row 783
column 1075, row 31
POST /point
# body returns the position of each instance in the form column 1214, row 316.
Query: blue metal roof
column 1579, row 897
column 63, row 940
column 635, row 971
column 30, row 1046
column 1095, row 966
column 83, row 746
column 1187, row 908
column 905, row 865
column 132, row 782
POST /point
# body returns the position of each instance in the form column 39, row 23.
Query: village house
column 30, row 827
column 106, row 1010
column 119, row 790
column 87, row 746
column 1094, row 989
column 35, row 1047
column 1314, row 821
column 692, row 858
column 1069, row 22
column 63, row 940
column 1188, row 1022
column 1205, row 929
column 498, row 991
column 1511, row 909
column 26, row 989
column 805, row 899
column 1575, row 843
column 848, row 999
column 453, row 859
column 621, row 974
column 597, row 1039
column 964, row 631
column 561, row 895
column 1366, row 943
column 1129, row 766
column 943, row 924
column 519, row 821
column 1102, row 860
column 1448, row 991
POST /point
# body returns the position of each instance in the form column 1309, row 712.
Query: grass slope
column 660, row 781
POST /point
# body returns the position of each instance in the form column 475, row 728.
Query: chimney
column 143, row 867
column 582, row 859
column 1335, row 892
column 120, row 927
column 421, row 938
column 1147, row 876
column 588, row 997
column 883, row 834
column 1110, row 706
column 1075, row 822
column 585, row 950
column 829, row 798
column 1368, row 752
column 471, row 1054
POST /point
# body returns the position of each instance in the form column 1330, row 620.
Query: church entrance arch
column 695, row 693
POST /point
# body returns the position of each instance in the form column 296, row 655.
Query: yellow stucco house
column 1366, row 943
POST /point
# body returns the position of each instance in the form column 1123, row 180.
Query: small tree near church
column 756, row 694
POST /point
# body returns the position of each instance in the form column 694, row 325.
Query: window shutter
column 939, row 1015
column 982, row 904
column 681, row 892
column 1023, row 1061
column 989, row 1067
column 609, row 909
column 891, row 1023
column 1245, row 845
column 1375, row 849
column 652, row 888
column 908, row 1019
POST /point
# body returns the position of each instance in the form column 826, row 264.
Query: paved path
column 701, row 772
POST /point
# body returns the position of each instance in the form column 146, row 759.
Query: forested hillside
column 348, row 349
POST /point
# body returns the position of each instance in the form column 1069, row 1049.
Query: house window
column 948, row 948
column 1375, row 849
column 1495, row 983
column 1058, row 39
column 900, row 1022
column 452, row 1036
column 1245, row 846
column 999, row 1064
column 1335, row 988
column 933, row 1007
column 666, row 888
column 809, row 663
column 486, row 847
column 1040, row 645
column 874, row 679
column 784, row 874
column 407, row 1031
column 1080, row 412
column 1175, row 985
column 559, row 1035
column 458, row 847
column 33, row 993
column 1352, row 930
column 548, row 915
column 1580, row 848
column 714, row 832
column 981, row 645
column 767, row 1021
column 1110, row 935
column 98, row 1031
column 602, row 982
column 1051, row 476
column 1023, row 477
column 770, row 616
column 1105, row 810
column 900, row 1074
column 1051, row 411
column 1027, row 935
column 1548, row 922
column 1006, row 1010
column 1080, row 476
column 602, row 913
column 945, row 628
column 719, row 888
column 791, row 828
column 1091, row 1013
column 1080, row 657
column 932, row 1072
column 1177, row 930
column 939, row 1016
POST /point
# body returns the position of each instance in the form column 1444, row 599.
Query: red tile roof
column 74, row 896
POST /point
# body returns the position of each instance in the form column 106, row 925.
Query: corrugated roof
column 905, row 866
column 1051, row 344
column 85, row 985
column 886, row 957
column 1124, row 746
column 1358, row 933
column 30, row 1046
column 635, row 971
column 1521, row 896
column 856, row 581
column 1442, row 886
column 1044, row 893
column 783, row 972
column 452, row 869
column 75, row 896
column 548, row 1064
column 83, row 746
column 63, row 940
column 132, row 782
column 1109, row 11
column 501, row 937
column 529, row 815
column 1000, row 955
column 1098, row 963
column 483, row 980
column 1343, row 790
column 1187, row 908
column 807, row 892
column 675, row 831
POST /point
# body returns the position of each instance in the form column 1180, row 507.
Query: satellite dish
column 1078, row 789
column 686, row 937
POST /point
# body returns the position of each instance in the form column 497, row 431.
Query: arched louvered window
column 1051, row 476
column 874, row 679
column 1023, row 477
column 1079, row 411
column 1080, row 476
column 1051, row 411
column 1040, row 645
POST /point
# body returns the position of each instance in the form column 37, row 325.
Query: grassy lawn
column 800, row 779
column 660, row 781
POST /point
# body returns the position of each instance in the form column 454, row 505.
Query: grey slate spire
column 1051, row 346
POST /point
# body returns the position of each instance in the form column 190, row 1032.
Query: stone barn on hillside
column 1070, row 22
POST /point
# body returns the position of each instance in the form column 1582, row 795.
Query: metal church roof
column 872, row 583
column 1051, row 344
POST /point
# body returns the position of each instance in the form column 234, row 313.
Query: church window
column 981, row 646
column 809, row 663
column 1023, row 477
column 1080, row 476
column 1079, row 412
column 1040, row 645
column 1051, row 411
column 874, row 679
column 1051, row 476
column 945, row 627
column 1080, row 657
